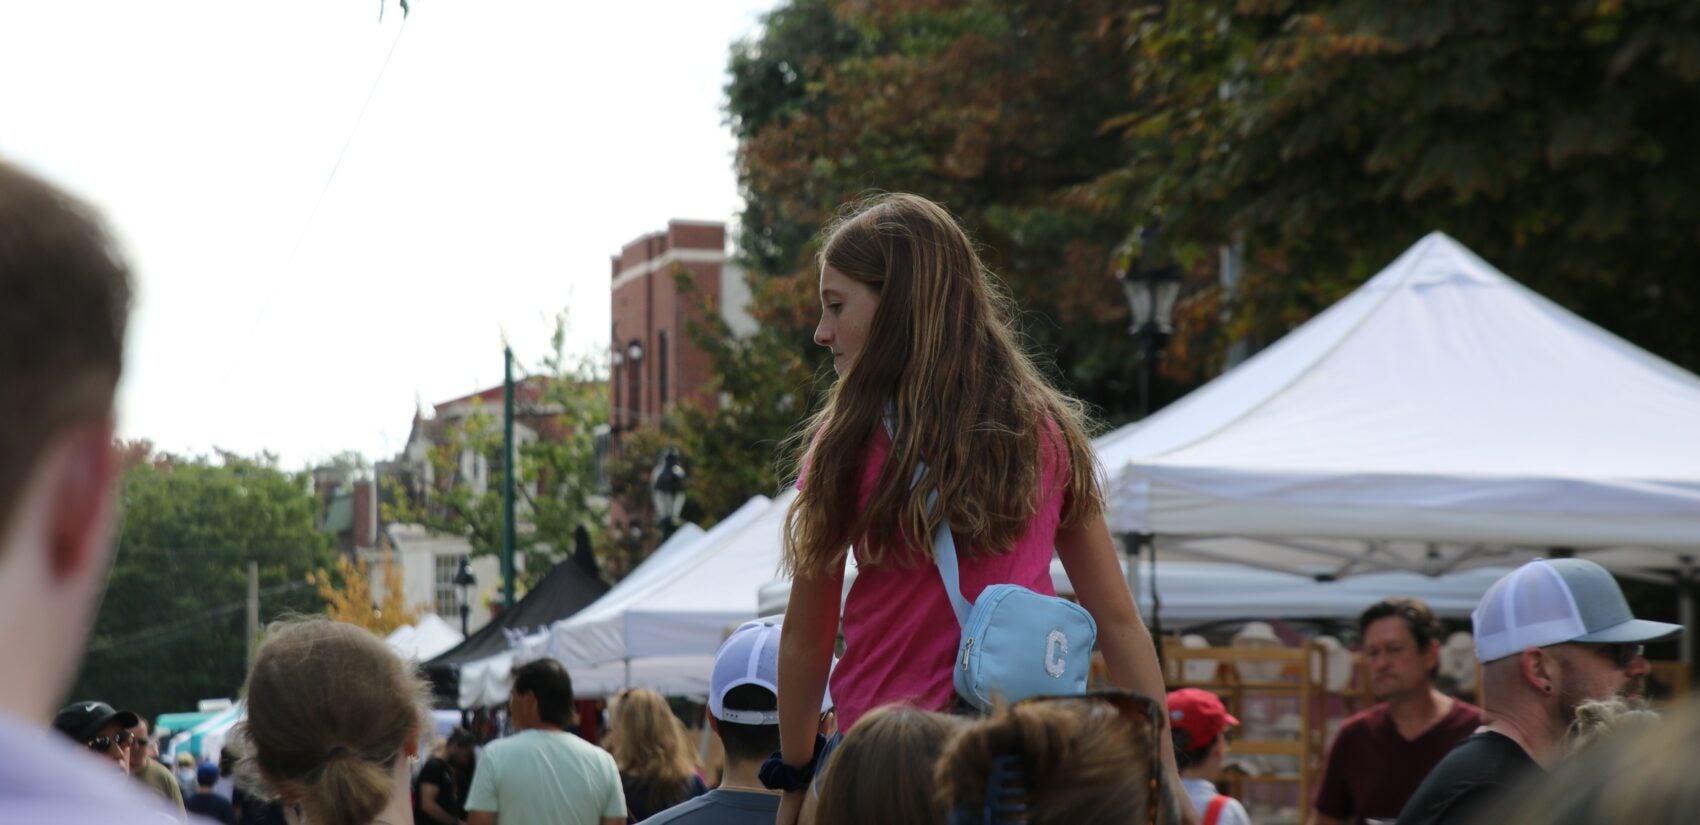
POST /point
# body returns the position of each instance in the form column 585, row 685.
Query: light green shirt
column 539, row 777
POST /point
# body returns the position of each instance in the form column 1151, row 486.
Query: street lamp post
column 1152, row 287
column 1152, row 284
column 464, row 580
column 667, row 489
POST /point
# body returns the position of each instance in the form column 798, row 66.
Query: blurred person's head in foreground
column 883, row 769
column 64, row 304
column 332, row 715
column 1089, row 760
column 1635, row 772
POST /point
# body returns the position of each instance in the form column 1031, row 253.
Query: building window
column 447, row 595
column 661, row 369
column 634, row 393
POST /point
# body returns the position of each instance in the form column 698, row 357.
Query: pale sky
column 509, row 149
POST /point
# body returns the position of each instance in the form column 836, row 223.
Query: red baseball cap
column 1200, row 713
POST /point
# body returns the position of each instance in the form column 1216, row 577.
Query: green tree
column 1550, row 138
column 738, row 447
column 995, row 108
column 556, row 488
column 172, row 628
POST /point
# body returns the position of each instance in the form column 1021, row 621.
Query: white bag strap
column 944, row 544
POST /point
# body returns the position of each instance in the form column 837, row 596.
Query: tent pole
column 1130, row 542
column 1685, row 611
column 628, row 673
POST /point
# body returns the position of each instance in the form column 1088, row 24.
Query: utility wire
column 143, row 638
column 301, row 237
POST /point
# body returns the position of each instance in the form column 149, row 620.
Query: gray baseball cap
column 1549, row 602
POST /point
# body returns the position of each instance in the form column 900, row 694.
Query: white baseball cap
column 750, row 656
column 1549, row 602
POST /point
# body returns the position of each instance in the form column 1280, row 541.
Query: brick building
column 653, row 361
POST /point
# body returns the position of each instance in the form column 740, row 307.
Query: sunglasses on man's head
column 103, row 744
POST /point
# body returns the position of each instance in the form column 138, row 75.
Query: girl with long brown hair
column 922, row 337
column 657, row 770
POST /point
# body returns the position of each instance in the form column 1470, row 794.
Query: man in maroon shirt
column 1381, row 755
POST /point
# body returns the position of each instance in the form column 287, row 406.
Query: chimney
column 365, row 515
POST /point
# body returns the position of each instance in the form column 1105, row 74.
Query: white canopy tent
column 423, row 640
column 1437, row 414
column 602, row 626
column 680, row 613
column 1440, row 417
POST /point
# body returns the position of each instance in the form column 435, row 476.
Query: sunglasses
column 1622, row 654
column 103, row 744
column 1004, row 787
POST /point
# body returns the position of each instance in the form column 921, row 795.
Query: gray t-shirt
column 547, row 778
column 723, row 807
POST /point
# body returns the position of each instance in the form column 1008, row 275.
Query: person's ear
column 1431, row 654
column 1537, row 667
column 713, row 724
column 81, row 476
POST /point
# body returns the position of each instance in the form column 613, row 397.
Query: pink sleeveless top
column 900, row 634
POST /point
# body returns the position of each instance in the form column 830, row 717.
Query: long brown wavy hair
column 966, row 399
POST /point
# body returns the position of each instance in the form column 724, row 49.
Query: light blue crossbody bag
column 1015, row 643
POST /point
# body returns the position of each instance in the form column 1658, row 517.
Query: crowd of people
column 939, row 425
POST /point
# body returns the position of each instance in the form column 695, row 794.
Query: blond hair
column 941, row 351
column 648, row 743
column 1638, row 773
column 1081, row 763
column 330, row 710
column 882, row 772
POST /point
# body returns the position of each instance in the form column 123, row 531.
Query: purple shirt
column 46, row 778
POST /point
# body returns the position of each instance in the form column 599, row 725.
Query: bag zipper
column 967, row 648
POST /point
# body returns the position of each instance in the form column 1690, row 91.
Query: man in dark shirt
column 1550, row 635
column 1380, row 755
column 437, row 791
column 206, row 802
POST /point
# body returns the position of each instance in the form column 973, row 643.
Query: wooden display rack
column 1303, row 678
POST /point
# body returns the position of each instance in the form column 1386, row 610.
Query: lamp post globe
column 464, row 580
column 1152, row 285
column 667, row 490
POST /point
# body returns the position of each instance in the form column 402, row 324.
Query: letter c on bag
column 1056, row 654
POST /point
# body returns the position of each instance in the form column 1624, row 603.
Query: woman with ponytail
column 930, row 373
column 334, row 717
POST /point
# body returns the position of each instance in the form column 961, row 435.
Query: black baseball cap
column 82, row 720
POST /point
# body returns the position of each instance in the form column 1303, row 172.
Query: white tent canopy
column 683, row 610
column 659, row 627
column 1441, row 416
column 423, row 640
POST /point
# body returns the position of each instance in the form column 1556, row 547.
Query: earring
column 1547, row 688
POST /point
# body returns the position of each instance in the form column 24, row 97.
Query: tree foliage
column 995, row 108
column 1318, row 140
column 349, row 595
column 172, row 628
column 557, row 485
column 1328, row 137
